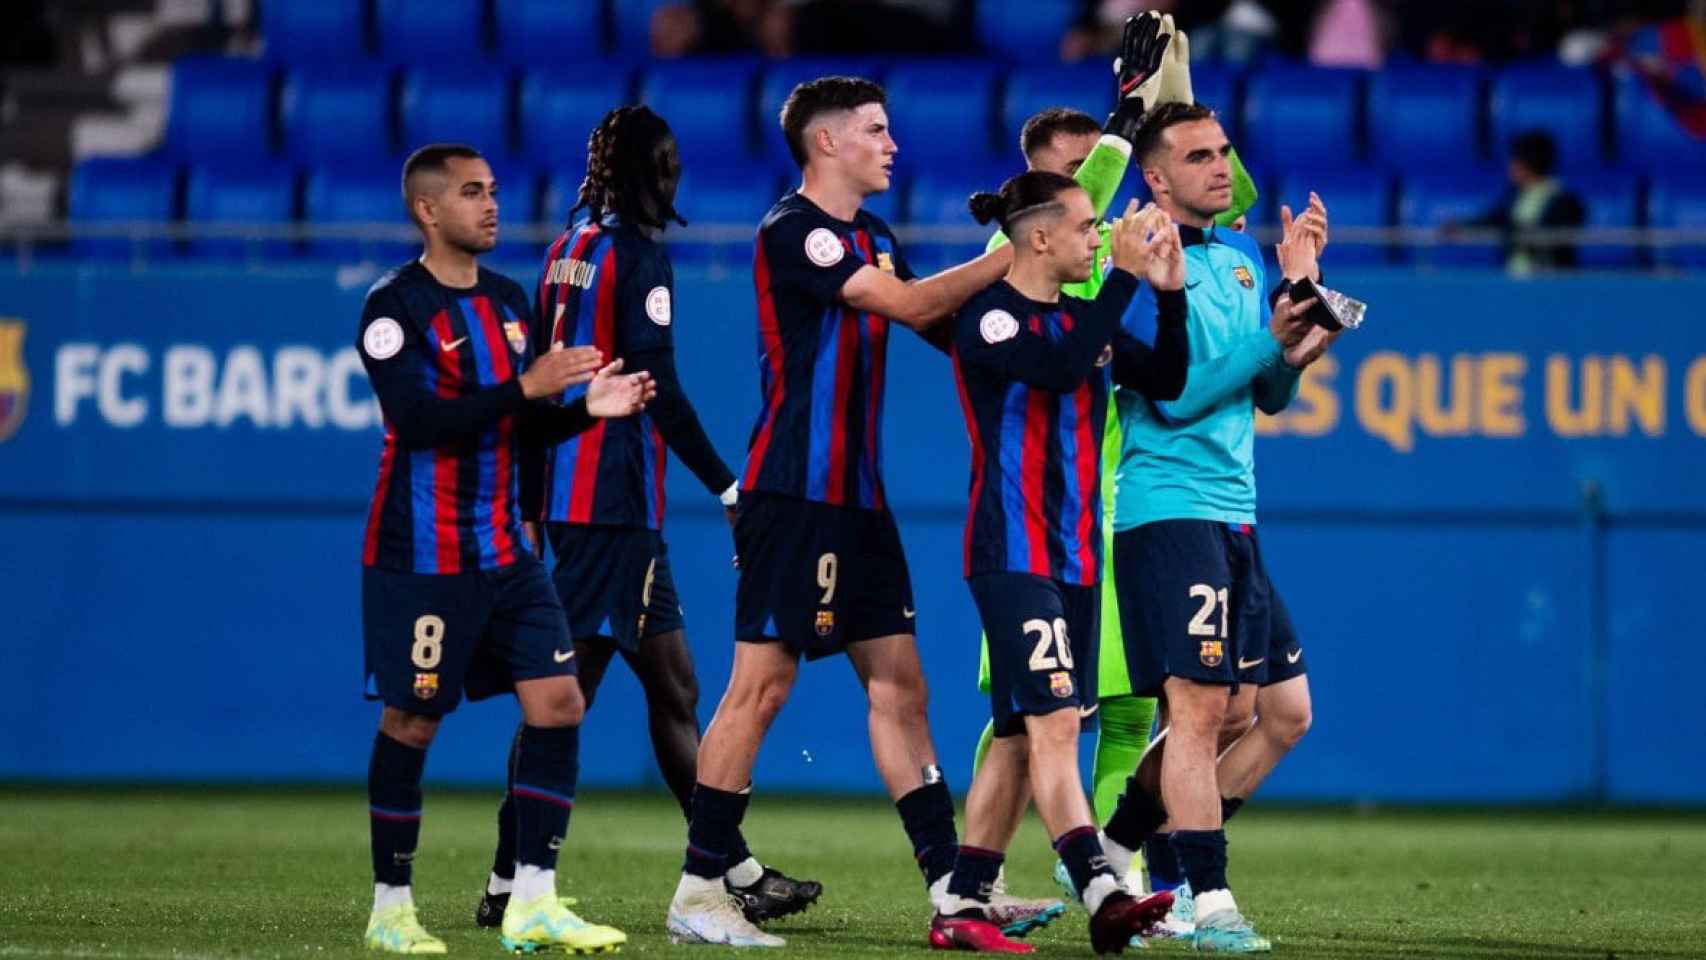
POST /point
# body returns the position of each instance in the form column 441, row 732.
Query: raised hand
column 1137, row 69
column 1166, row 269
column 560, row 369
column 1302, row 240
column 1175, row 84
column 611, row 395
column 1129, row 239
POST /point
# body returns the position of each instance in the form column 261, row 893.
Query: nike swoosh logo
column 1193, row 286
column 908, row 612
column 452, row 345
column 562, row 657
column 1244, row 664
column 1294, row 655
column 1086, row 711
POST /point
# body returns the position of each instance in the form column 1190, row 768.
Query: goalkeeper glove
column 1175, row 86
column 1137, row 73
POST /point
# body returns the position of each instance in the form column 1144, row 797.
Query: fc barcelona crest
column 1213, row 651
column 516, row 334
column 14, row 378
column 885, row 261
column 1245, row 278
column 825, row 622
column 426, row 685
column 1060, row 684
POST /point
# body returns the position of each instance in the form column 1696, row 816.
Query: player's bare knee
column 900, row 701
column 1288, row 727
column 1051, row 733
column 411, row 729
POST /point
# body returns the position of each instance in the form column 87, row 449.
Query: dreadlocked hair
column 622, row 175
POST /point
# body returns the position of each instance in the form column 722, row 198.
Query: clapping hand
column 612, row 395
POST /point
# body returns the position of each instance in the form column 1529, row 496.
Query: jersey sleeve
column 993, row 340
column 805, row 255
column 645, row 305
column 1101, row 172
column 391, row 347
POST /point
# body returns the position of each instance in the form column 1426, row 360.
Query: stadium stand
column 708, row 104
column 942, row 110
column 1081, row 86
column 355, row 193
column 465, row 103
column 247, row 191
column 1303, row 117
column 1566, row 102
column 1025, row 30
column 1434, row 199
column 540, row 32
column 221, row 107
column 299, row 31
column 559, row 106
column 432, row 33
column 1422, row 118
column 1360, row 197
column 116, row 189
column 1678, row 201
column 337, row 111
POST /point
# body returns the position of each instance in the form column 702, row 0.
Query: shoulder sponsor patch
column 998, row 325
column 382, row 339
column 824, row 248
column 657, row 306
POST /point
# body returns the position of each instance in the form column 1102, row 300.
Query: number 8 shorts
column 1042, row 646
column 818, row 577
column 431, row 637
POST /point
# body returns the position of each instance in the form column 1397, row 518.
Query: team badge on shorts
column 516, row 334
column 1060, row 684
column 426, row 685
column 1244, row 277
column 1212, row 652
column 825, row 622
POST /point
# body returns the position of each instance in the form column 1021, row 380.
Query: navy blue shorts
column 614, row 582
column 431, row 637
column 1196, row 602
column 1043, row 646
column 818, row 577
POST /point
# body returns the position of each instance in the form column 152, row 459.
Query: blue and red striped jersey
column 821, row 362
column 606, row 285
column 446, row 500
column 1034, row 380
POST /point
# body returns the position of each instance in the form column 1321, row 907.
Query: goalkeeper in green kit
column 1071, row 143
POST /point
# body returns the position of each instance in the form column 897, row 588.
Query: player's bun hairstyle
column 1043, row 127
column 622, row 175
column 431, row 158
column 1158, row 120
column 1029, row 193
column 812, row 99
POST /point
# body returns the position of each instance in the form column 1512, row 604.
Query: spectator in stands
column 781, row 28
column 709, row 27
column 1535, row 201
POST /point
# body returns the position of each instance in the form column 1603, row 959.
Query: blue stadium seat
column 106, row 189
column 240, row 193
column 562, row 184
column 1648, row 136
column 1308, row 115
column 781, row 77
column 632, row 25
column 337, row 111
column 300, row 31
column 561, row 106
column 357, row 193
column 1566, row 102
column 1355, row 197
column 1612, row 198
column 1422, row 118
column 941, row 110
column 1215, row 86
column 937, row 198
column 548, row 32
column 1025, row 30
column 1678, row 202
column 708, row 104
column 461, row 104
column 435, row 32
column 518, row 198
column 220, row 107
column 1432, row 199
column 1085, row 86
column 725, row 195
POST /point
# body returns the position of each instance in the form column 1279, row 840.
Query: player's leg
column 530, row 630
column 1283, row 710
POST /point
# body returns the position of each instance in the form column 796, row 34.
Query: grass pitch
column 181, row 874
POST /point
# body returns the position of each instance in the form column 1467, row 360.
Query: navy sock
column 1163, row 863
column 394, row 808
column 975, row 870
column 738, row 850
column 503, row 861
column 928, row 816
column 710, row 834
column 1202, row 854
column 1136, row 816
column 1081, row 851
column 547, row 760
column 1228, row 807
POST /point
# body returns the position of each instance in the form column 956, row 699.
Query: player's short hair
column 1025, row 195
column 814, row 98
column 432, row 158
column 622, row 174
column 1039, row 131
column 1536, row 150
column 1159, row 120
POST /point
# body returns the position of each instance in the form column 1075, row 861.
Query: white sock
column 950, row 904
column 1098, row 889
column 533, row 882
column 692, row 887
column 1211, row 902
column 496, row 884
column 1119, row 858
column 745, row 873
column 385, row 896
